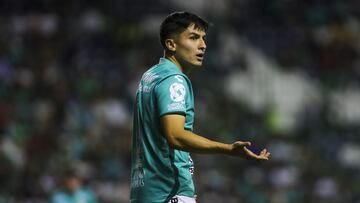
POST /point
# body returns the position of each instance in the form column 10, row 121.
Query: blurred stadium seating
column 283, row 74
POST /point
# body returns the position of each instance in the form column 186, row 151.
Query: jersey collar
column 169, row 63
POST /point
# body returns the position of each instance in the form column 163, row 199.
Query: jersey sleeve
column 171, row 95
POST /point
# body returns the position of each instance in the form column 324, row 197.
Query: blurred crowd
column 282, row 74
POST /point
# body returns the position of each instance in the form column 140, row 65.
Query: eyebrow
column 194, row 33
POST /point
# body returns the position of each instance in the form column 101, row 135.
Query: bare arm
column 179, row 138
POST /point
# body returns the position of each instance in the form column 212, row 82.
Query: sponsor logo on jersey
column 191, row 168
column 147, row 81
column 149, row 77
column 177, row 92
column 176, row 106
column 137, row 179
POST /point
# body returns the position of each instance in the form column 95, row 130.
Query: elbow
column 174, row 140
column 173, row 144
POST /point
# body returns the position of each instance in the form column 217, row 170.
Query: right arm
column 171, row 94
column 179, row 138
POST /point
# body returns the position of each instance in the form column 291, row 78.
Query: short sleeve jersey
column 159, row 172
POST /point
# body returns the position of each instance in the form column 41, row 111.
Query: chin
column 194, row 63
column 197, row 64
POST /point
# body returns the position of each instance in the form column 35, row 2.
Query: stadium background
column 283, row 74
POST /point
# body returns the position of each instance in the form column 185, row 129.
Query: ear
column 170, row 44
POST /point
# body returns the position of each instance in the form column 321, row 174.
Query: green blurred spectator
column 72, row 190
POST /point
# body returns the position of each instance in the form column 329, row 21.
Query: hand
column 239, row 148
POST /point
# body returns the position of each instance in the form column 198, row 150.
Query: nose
column 202, row 45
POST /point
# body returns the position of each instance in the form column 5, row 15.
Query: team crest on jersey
column 177, row 92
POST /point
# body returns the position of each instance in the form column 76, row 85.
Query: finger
column 264, row 152
column 263, row 158
column 242, row 144
column 250, row 153
column 267, row 155
column 262, row 155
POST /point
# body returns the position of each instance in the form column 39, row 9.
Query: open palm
column 240, row 149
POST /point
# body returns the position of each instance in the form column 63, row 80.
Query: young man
column 163, row 118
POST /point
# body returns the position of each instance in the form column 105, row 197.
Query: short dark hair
column 177, row 22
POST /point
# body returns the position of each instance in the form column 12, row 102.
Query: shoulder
column 175, row 80
column 173, row 88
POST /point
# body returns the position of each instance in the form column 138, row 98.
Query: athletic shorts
column 182, row 199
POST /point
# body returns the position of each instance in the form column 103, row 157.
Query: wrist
column 225, row 148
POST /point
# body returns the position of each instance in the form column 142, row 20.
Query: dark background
column 282, row 74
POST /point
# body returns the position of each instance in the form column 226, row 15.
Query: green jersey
column 159, row 172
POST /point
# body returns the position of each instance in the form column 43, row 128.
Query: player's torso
column 156, row 168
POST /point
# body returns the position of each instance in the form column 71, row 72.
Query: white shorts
column 182, row 199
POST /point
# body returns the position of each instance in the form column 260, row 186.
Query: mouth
column 200, row 56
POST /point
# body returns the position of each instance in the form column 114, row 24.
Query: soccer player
column 162, row 137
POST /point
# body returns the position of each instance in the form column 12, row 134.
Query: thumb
column 242, row 144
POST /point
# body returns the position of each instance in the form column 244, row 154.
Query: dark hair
column 177, row 22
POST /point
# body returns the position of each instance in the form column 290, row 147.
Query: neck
column 173, row 59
